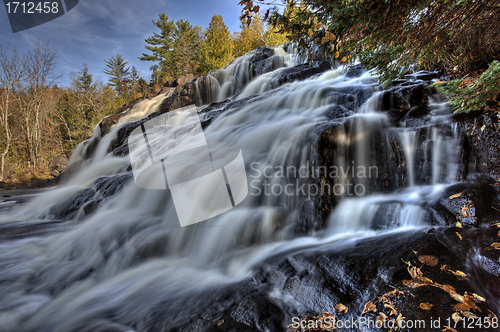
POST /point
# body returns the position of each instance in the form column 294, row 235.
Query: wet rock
column 88, row 200
column 268, row 65
column 482, row 152
column 400, row 98
column 355, row 71
column 300, row 72
column 58, row 163
column 471, row 204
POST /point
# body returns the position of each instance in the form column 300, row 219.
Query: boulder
column 58, row 164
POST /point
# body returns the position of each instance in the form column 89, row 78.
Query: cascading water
column 112, row 269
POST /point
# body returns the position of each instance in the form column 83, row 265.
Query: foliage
column 468, row 95
column 175, row 48
column 249, row 38
column 118, row 72
column 217, row 46
column 395, row 36
column 274, row 37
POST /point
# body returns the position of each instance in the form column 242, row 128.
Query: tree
column 217, row 47
column 175, row 48
column 250, row 37
column 275, row 37
column 12, row 73
column 118, row 73
column 36, row 100
column 161, row 46
column 186, row 48
column 84, row 81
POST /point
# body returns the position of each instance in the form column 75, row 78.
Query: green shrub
column 467, row 95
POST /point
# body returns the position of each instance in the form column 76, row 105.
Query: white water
column 101, row 263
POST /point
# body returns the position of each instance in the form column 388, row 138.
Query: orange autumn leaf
column 426, row 306
column 342, row 309
column 369, row 307
column 429, row 260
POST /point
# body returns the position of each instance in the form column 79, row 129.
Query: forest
column 40, row 119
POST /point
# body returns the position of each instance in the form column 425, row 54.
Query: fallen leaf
column 456, row 317
column 455, row 196
column 459, row 225
column 399, row 320
column 413, row 283
column 415, row 252
column 457, row 297
column 459, row 236
column 496, row 245
column 478, row 298
column 414, row 272
column 429, row 260
column 469, row 314
column 448, row 289
column 465, row 211
column 369, row 307
column 381, row 318
column 446, row 268
column 483, row 127
column 393, row 309
column 220, row 322
column 448, row 329
column 426, row 306
column 342, row 309
column 460, row 274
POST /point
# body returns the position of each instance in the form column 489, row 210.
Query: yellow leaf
column 344, row 60
column 337, row 54
column 456, row 317
column 333, row 48
column 496, row 245
column 483, row 127
column 455, row 196
column 310, row 32
column 315, row 20
column 342, row 309
column 459, row 225
column 460, row 274
column 426, row 306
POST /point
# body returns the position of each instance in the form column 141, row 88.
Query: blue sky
column 97, row 29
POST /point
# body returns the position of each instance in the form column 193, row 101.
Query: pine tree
column 217, row 47
column 118, row 73
column 175, row 57
column 84, row 81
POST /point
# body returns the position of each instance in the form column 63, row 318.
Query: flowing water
column 131, row 256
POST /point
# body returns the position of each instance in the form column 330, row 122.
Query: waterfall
column 112, row 267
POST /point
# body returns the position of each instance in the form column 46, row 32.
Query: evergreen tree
column 84, row 82
column 175, row 55
column 217, row 47
column 118, row 73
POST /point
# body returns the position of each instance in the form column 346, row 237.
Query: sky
column 95, row 30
